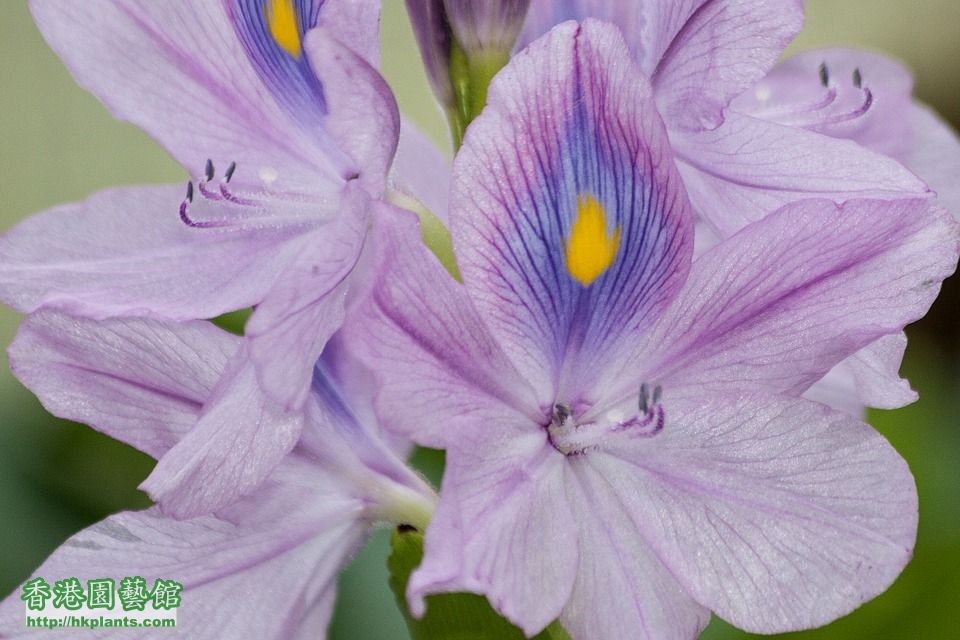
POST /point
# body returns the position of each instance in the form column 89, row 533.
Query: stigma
column 590, row 248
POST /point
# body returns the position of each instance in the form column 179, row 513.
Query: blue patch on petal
column 332, row 400
column 272, row 33
column 342, row 435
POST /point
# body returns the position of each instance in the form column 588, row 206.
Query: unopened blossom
column 288, row 131
column 627, row 448
column 475, row 28
column 143, row 382
column 463, row 43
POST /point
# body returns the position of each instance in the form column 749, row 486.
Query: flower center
column 572, row 437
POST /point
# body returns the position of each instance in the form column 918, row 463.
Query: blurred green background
column 58, row 144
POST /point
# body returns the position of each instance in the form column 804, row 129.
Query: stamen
column 654, row 416
column 799, row 114
column 185, row 218
column 185, row 215
column 648, row 400
column 229, row 195
column 210, row 195
column 834, row 104
column 223, row 209
column 853, row 114
column 576, row 439
column 209, row 173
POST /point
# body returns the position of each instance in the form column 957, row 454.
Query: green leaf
column 452, row 616
column 234, row 322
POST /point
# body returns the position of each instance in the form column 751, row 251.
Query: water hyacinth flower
column 742, row 157
column 864, row 97
column 143, row 382
column 738, row 165
column 289, row 134
column 627, row 448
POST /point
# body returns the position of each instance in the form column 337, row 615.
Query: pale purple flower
column 737, row 165
column 864, row 97
column 835, row 124
column 264, row 567
column 289, row 134
column 626, row 445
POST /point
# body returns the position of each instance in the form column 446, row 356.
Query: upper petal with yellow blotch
column 569, row 219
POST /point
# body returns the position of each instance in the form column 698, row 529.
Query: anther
column 857, row 78
column 228, row 175
column 824, row 74
column 648, row 401
column 208, row 171
column 190, row 191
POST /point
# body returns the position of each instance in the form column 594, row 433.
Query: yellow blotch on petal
column 590, row 249
column 282, row 20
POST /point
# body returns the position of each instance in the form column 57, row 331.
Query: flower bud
column 463, row 44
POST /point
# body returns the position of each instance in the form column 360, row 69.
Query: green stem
column 404, row 506
column 471, row 76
